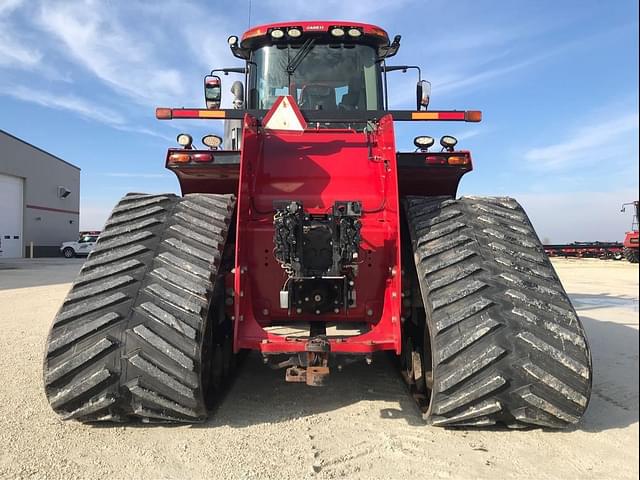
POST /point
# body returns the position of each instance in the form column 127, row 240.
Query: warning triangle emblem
column 284, row 115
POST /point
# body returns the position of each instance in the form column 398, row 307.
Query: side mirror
column 423, row 94
column 237, row 89
column 212, row 91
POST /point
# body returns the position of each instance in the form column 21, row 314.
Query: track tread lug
column 128, row 341
column 507, row 346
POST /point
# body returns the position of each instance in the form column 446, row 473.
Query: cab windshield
column 329, row 77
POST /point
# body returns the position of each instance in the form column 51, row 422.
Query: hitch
column 314, row 367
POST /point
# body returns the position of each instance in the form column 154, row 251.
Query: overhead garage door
column 11, row 210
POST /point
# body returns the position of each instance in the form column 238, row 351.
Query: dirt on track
column 363, row 425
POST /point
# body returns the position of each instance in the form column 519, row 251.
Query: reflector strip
column 425, row 115
column 437, row 115
column 211, row 114
column 323, row 116
column 451, row 115
column 184, row 113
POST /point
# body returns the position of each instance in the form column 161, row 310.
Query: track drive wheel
column 506, row 345
column 136, row 335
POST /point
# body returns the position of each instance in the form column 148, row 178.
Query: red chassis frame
column 319, row 167
column 342, row 165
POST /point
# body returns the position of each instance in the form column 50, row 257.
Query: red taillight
column 179, row 157
column 187, row 156
column 443, row 159
column 202, row 157
column 435, row 160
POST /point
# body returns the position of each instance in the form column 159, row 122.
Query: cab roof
column 371, row 34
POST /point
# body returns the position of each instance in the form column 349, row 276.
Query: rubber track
column 127, row 342
column 631, row 254
column 507, row 345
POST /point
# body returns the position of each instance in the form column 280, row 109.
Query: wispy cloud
column 14, row 52
column 124, row 58
column 79, row 106
column 334, row 9
column 470, row 133
column 480, row 58
column 8, row 6
column 477, row 79
column 18, row 47
column 598, row 140
column 66, row 102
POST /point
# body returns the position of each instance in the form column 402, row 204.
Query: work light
column 212, row 141
column 277, row 34
column 448, row 142
column 184, row 140
column 423, row 142
column 337, row 32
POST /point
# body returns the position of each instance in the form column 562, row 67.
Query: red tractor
column 630, row 243
column 305, row 236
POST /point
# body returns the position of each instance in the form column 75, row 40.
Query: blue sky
column 557, row 82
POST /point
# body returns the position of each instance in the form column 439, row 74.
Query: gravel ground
column 363, row 425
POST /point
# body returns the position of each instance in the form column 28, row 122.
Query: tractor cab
column 321, row 65
column 323, row 73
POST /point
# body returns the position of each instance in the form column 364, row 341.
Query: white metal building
column 39, row 199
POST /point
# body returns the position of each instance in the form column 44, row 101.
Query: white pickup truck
column 82, row 247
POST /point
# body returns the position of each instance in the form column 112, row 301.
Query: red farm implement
column 631, row 239
column 601, row 250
